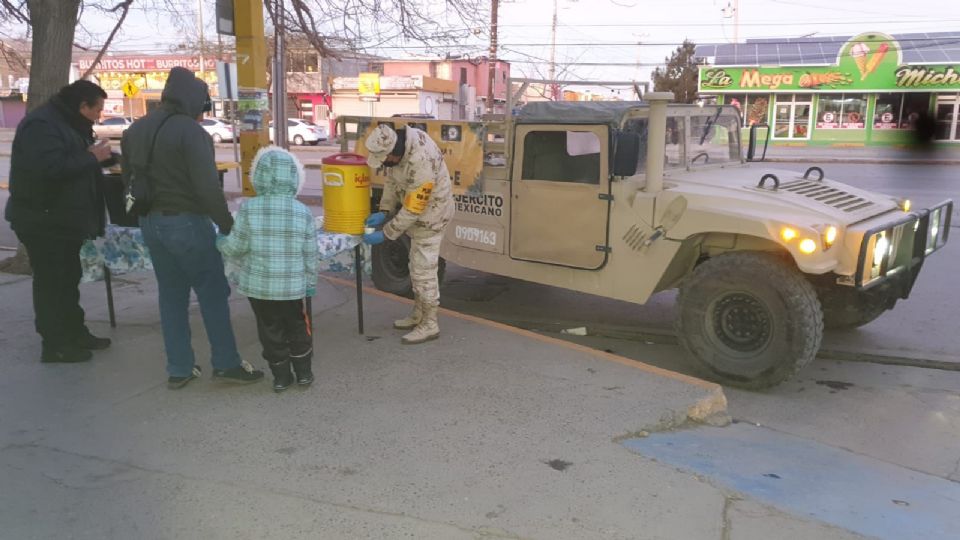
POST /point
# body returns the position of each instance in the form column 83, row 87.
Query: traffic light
column 225, row 18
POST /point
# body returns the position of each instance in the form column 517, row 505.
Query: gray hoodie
column 184, row 167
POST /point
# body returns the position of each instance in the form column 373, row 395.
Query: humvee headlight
column 829, row 236
column 788, row 234
column 807, row 246
column 880, row 249
column 905, row 205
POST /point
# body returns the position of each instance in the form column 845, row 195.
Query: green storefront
column 867, row 90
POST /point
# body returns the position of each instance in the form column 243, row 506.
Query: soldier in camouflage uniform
column 419, row 184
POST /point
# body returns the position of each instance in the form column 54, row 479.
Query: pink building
column 473, row 74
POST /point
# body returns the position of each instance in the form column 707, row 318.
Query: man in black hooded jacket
column 179, row 230
column 55, row 204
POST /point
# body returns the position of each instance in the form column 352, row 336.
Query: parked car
column 112, row 127
column 219, row 130
column 300, row 132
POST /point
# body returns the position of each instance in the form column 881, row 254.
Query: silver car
column 113, row 127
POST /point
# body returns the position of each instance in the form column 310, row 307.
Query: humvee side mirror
column 626, row 153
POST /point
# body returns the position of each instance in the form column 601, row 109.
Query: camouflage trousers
column 424, row 263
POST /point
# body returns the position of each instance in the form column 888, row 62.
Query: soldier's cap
column 379, row 144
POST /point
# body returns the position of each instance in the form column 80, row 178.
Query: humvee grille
column 829, row 196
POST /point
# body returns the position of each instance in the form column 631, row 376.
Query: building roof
column 917, row 48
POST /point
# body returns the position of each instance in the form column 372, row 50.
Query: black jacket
column 184, row 168
column 54, row 180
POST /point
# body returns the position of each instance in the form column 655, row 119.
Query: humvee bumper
column 893, row 253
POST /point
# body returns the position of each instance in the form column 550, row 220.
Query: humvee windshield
column 708, row 141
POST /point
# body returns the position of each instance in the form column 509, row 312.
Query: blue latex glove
column 375, row 220
column 375, row 237
column 311, row 291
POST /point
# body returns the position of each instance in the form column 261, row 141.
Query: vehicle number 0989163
column 474, row 234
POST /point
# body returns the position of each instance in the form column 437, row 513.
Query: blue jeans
column 185, row 257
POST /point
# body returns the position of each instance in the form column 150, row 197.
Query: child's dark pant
column 284, row 328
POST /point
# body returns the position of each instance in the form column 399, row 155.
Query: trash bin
column 346, row 193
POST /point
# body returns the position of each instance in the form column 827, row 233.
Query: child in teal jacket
column 273, row 245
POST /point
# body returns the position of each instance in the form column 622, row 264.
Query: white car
column 219, row 130
column 113, row 127
column 300, row 132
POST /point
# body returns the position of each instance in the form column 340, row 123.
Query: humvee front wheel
column 390, row 262
column 750, row 319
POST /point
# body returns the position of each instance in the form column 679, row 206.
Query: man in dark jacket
column 55, row 204
column 179, row 232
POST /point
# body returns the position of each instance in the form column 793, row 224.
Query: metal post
column 200, row 21
column 358, row 268
column 109, row 284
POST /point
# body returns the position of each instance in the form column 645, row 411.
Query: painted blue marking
column 808, row 479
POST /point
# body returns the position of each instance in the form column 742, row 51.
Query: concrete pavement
column 485, row 432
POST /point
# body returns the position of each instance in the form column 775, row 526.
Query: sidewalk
column 487, row 432
column 865, row 155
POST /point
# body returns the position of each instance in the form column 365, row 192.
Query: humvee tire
column 846, row 307
column 390, row 262
column 750, row 319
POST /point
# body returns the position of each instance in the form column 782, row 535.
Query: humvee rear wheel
column 750, row 319
column 390, row 262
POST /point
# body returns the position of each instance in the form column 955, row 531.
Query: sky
column 630, row 37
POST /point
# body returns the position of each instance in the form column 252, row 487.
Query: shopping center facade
column 865, row 90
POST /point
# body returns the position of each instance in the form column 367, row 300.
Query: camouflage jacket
column 420, row 185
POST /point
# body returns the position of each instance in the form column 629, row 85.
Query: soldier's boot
column 412, row 320
column 427, row 330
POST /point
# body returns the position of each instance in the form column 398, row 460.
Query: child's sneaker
column 242, row 374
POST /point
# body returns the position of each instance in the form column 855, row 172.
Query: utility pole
column 553, row 54
column 492, row 61
column 279, row 79
column 252, row 81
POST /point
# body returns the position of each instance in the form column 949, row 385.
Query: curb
column 661, row 336
column 861, row 161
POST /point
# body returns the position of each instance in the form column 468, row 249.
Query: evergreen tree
column 679, row 75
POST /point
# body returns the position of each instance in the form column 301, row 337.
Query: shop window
column 562, row 156
column 752, row 107
column 948, row 117
column 842, row 111
column 899, row 111
column 792, row 116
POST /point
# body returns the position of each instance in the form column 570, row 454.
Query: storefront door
column 792, row 117
column 948, row 107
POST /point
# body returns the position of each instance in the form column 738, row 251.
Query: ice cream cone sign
column 867, row 60
column 875, row 60
column 859, row 52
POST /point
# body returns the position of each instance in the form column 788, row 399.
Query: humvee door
column 560, row 184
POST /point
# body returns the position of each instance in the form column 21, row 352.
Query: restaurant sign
column 867, row 63
column 148, row 63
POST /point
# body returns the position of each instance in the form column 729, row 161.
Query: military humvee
column 626, row 199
